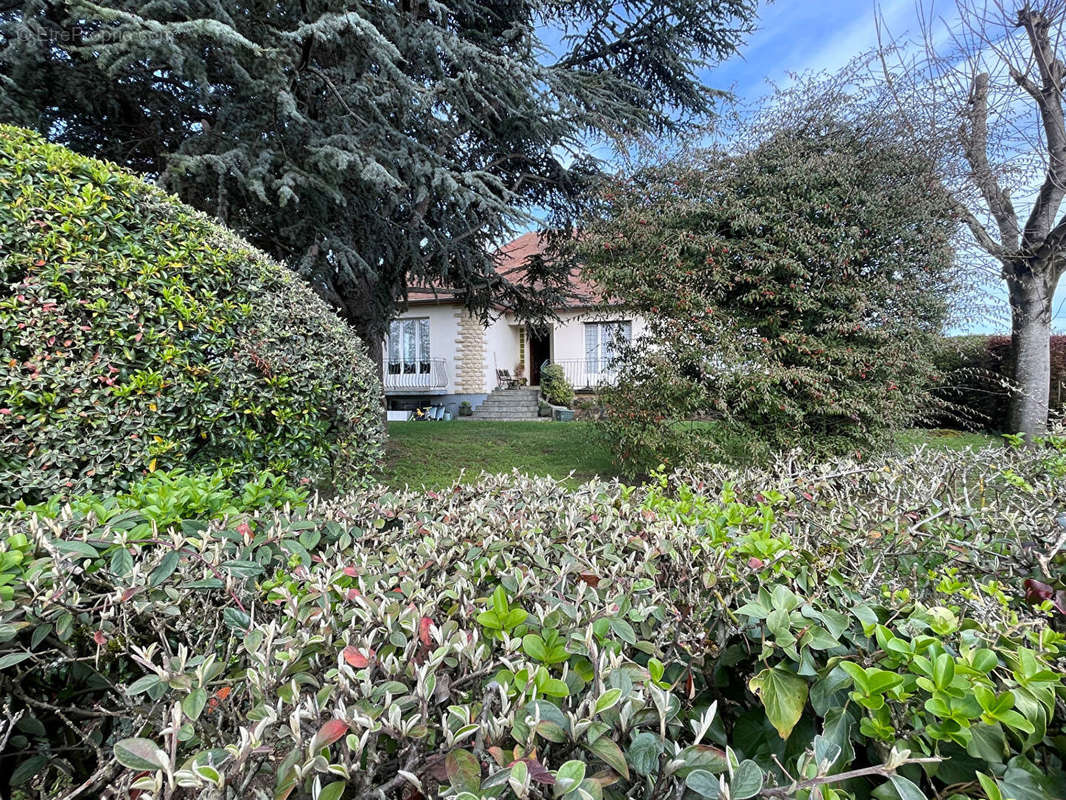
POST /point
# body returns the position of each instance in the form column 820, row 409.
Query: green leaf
column 534, row 647
column 334, row 791
column 242, row 569
column 236, row 618
column 623, row 630
column 611, row 754
column 644, row 753
column 12, row 659
column 989, row 787
column 193, row 705
column 27, row 769
column 568, row 777
column 165, row 568
column 783, row 696
column 906, row 789
column 499, row 601
column 746, row 782
column 140, row 754
column 943, row 671
column 121, row 562
column 76, row 548
column 703, row 783
column 463, row 771
column 142, row 684
column 607, row 700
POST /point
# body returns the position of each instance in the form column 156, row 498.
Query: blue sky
column 802, row 35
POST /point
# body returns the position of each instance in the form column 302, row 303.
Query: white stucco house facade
column 437, row 354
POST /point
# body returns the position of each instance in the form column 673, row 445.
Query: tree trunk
column 1031, row 349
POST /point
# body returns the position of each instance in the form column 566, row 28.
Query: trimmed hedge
column 898, row 620
column 136, row 334
column 975, row 378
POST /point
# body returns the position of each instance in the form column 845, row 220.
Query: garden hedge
column 974, row 377
column 890, row 629
column 136, row 334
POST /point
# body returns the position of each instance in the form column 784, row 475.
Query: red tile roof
column 510, row 263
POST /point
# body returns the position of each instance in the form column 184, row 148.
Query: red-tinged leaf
column 538, row 773
column 1037, row 591
column 498, row 756
column 329, row 733
column 755, row 563
column 423, row 630
column 436, row 768
column 356, row 657
column 464, row 771
column 591, row 578
column 99, row 638
column 352, row 594
column 1060, row 601
column 351, row 572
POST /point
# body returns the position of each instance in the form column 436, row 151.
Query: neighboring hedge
column 975, row 378
column 515, row 639
column 136, row 334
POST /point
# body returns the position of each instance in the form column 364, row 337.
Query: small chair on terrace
column 504, row 380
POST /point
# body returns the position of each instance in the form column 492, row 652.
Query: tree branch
column 975, row 151
column 883, row 771
column 1048, row 97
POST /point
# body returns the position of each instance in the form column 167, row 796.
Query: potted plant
column 465, row 409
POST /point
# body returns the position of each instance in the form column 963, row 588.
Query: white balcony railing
column 424, row 376
column 587, row 373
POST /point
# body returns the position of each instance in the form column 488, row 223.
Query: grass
column 436, row 454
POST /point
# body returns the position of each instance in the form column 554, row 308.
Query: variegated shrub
column 859, row 629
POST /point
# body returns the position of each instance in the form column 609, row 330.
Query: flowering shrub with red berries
column 794, row 291
column 136, row 335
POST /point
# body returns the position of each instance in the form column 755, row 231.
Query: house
column 437, row 354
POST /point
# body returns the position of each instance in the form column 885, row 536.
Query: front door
column 540, row 350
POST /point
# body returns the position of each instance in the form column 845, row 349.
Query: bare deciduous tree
column 983, row 96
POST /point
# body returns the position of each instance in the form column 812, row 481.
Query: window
column 602, row 342
column 408, row 346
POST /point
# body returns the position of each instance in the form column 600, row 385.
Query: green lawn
column 434, row 454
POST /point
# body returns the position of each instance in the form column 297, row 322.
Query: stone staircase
column 509, row 404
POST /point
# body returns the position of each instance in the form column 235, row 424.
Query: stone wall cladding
column 469, row 354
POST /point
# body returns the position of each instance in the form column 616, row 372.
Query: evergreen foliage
column 367, row 144
column 793, row 291
column 136, row 334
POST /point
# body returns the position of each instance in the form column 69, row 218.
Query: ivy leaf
column 783, row 696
